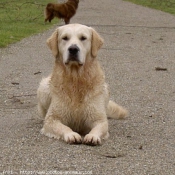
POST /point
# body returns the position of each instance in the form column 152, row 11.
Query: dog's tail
column 48, row 9
column 115, row 111
column 50, row 6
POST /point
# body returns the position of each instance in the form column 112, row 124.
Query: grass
column 20, row 19
column 163, row 5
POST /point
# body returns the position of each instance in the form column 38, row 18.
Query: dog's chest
column 77, row 103
column 77, row 94
column 78, row 118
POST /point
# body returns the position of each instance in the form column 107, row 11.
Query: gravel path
column 137, row 41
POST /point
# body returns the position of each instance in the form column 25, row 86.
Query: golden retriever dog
column 63, row 11
column 74, row 99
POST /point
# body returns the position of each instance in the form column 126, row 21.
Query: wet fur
column 74, row 100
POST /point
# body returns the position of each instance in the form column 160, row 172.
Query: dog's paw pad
column 91, row 139
column 73, row 138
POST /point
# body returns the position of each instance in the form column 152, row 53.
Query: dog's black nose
column 73, row 50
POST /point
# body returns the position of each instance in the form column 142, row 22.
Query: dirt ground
column 138, row 41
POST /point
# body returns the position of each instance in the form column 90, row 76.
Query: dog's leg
column 43, row 96
column 54, row 128
column 51, row 17
column 98, row 132
column 66, row 20
column 47, row 18
column 42, row 112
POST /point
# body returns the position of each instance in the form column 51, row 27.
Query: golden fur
column 74, row 99
column 63, row 11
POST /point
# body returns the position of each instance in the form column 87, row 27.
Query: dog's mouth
column 73, row 61
column 73, row 56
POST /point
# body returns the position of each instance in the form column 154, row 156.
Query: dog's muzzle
column 73, row 54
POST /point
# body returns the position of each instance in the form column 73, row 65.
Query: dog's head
column 74, row 43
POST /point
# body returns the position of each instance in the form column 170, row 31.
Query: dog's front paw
column 92, row 139
column 72, row 138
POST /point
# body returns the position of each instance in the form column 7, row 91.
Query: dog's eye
column 82, row 38
column 65, row 38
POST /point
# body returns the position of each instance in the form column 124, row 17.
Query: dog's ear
column 52, row 43
column 96, row 43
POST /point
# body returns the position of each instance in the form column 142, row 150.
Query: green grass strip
column 22, row 18
column 163, row 5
